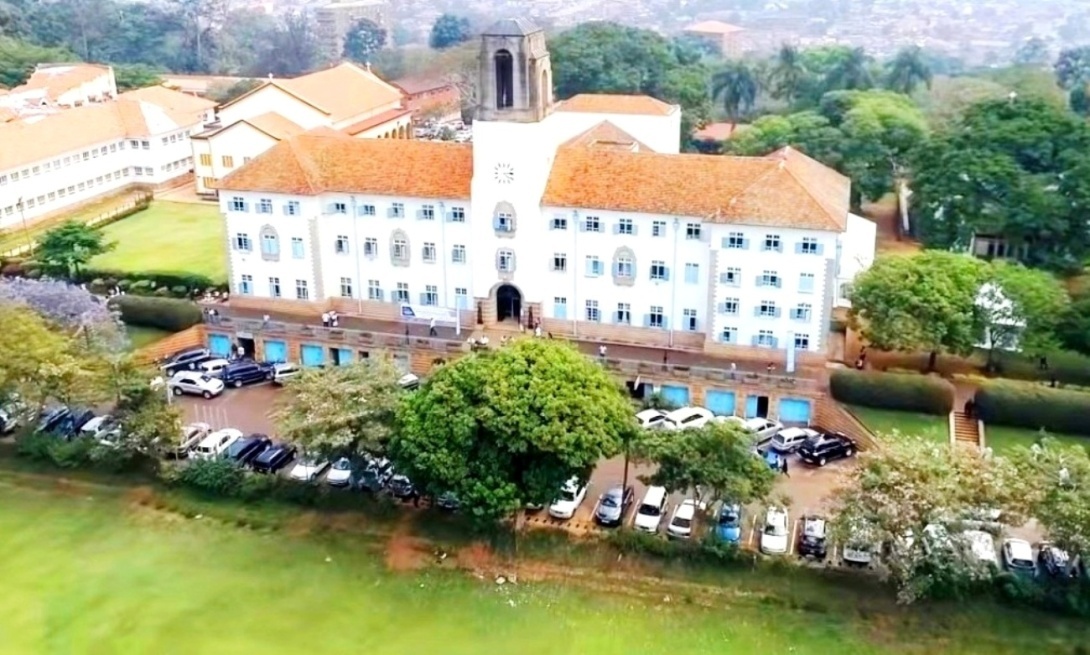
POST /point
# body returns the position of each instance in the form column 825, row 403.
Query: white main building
column 581, row 214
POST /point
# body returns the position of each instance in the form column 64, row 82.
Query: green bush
column 219, row 477
column 179, row 292
column 192, row 282
column 142, row 287
column 162, row 292
column 124, row 285
column 1066, row 366
column 77, row 453
column 1034, row 406
column 902, row 392
column 170, row 314
column 707, row 550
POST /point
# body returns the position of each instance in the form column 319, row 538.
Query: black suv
column 273, row 458
column 824, row 448
column 185, row 360
column 813, row 537
column 239, row 373
column 245, row 450
column 64, row 422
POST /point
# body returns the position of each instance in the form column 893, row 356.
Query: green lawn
column 1002, row 439
column 140, row 336
column 89, row 571
column 169, row 237
column 884, row 421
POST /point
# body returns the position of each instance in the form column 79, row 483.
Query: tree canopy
column 1056, row 491
column 1023, row 307
column 505, row 428
column 364, row 40
column 449, row 30
column 67, row 248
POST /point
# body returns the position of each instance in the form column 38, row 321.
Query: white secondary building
column 581, row 214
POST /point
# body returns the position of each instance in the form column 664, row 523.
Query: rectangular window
column 297, row 251
column 658, row 229
column 346, row 287
column 692, row 231
column 806, row 283
column 736, row 241
column 429, row 253
column 401, row 294
column 401, row 251
column 559, row 223
column 148, row 171
column 291, row 208
column 341, row 245
column 301, row 291
column 458, row 254
column 238, row 204
column 692, row 273
column 426, row 213
column 729, row 307
column 228, row 161
column 623, row 316
column 765, row 339
column 397, row 210
column 560, row 262
column 504, row 222
column 461, row 298
column 624, row 268
column 264, row 206
column 773, row 243
column 505, row 261
column 659, row 271
column 370, row 247
column 808, row 246
column 274, row 287
column 246, row 285
column 802, row 342
column 31, row 203
column 802, row 312
column 365, row 210
column 269, row 245
column 206, row 160
column 338, row 208
column 457, row 214
column 560, row 307
column 624, row 226
column 592, row 224
column 769, row 279
column 732, row 277
column 374, row 290
column 430, row 295
column 689, row 317
column 593, row 314
column 767, row 309
column 656, row 318
column 729, row 335
column 208, row 182
column 594, row 266
column 242, row 242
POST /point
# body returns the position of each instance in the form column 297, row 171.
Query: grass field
column 89, row 570
column 1002, row 439
column 16, row 236
column 169, row 237
column 884, row 421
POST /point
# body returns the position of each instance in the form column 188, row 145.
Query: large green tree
column 850, row 70
column 69, row 247
column 922, row 302
column 787, row 74
column 1021, row 307
column 18, row 59
column 449, row 30
column 907, row 70
column 1073, row 67
column 1056, row 491
column 364, row 40
column 136, row 76
column 505, row 428
column 736, row 85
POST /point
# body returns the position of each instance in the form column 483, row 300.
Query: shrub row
column 146, row 282
column 1066, row 366
column 1034, row 406
column 170, row 314
column 902, row 392
column 77, row 453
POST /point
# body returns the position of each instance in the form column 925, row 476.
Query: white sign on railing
column 429, row 313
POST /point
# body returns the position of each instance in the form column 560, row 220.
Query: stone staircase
column 190, row 338
column 964, row 430
column 834, row 417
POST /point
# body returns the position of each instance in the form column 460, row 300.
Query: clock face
column 504, row 173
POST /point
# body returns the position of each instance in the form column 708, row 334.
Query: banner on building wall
column 429, row 313
column 790, row 352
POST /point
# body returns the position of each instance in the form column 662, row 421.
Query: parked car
column 728, row 526
column 764, row 428
column 569, row 499
column 449, row 501
column 185, row 360
column 246, row 372
column 374, row 476
column 340, row 472
column 651, row 418
column 1055, row 562
column 824, row 448
column 788, row 440
column 70, row 422
column 687, row 417
column 192, row 435
column 50, row 418
column 613, row 505
column 652, row 507
column 1018, row 557
column 409, row 382
column 273, row 458
column 401, row 487
column 213, row 368
column 216, row 444
column 859, row 547
column 981, row 547
column 245, row 450
column 681, row 523
column 104, row 429
column 195, row 384
column 284, row 371
column 813, row 538
column 11, row 417
column 774, row 533
column 309, row 468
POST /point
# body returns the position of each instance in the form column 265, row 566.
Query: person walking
column 431, row 328
column 783, row 466
column 325, row 319
column 602, row 351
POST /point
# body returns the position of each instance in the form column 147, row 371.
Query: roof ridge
column 758, row 180
column 784, row 153
column 306, row 166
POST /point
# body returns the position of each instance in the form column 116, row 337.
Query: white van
column 651, row 510
column 215, row 444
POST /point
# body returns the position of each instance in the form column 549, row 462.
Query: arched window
column 546, row 88
column 270, row 244
column 503, row 219
column 624, row 267
column 505, row 79
column 399, row 248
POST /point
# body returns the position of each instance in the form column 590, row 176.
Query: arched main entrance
column 508, row 303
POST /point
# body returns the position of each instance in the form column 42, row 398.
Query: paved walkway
column 184, row 193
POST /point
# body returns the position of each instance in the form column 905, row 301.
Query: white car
column 285, row 371
column 774, row 536
column 651, row 418
column 789, row 439
column 105, row 429
column 764, row 428
column 571, row 497
column 309, row 468
column 652, row 507
column 195, row 383
column 981, row 546
column 215, row 444
column 213, row 368
column 1018, row 556
column 681, row 523
column 409, row 382
column 192, row 435
column 340, row 473
column 687, row 417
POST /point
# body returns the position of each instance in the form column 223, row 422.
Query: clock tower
column 516, row 79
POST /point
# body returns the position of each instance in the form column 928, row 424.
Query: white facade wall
column 660, row 133
column 272, row 99
column 233, row 145
column 244, row 243
column 856, row 255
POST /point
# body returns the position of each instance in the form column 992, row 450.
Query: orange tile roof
column 57, row 79
column 343, row 91
column 182, row 108
column 607, row 135
column 603, row 103
column 322, row 161
column 275, row 125
column 714, row 27
column 376, row 120
column 784, row 189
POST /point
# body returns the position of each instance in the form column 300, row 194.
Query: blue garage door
column 276, row 351
column 720, row 403
column 220, row 345
column 344, row 356
column 313, row 355
column 795, row 410
column 751, row 406
column 675, row 395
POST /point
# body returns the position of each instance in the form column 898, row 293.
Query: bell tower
column 516, row 79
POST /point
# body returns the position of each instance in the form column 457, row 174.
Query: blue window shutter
column 756, row 340
column 775, row 342
column 722, row 308
column 582, row 226
column 495, row 222
column 665, row 322
column 647, row 320
column 616, row 228
column 422, row 297
column 798, row 248
column 725, row 243
column 820, row 249
column 779, row 282
column 635, row 230
column 760, row 281
column 616, row 269
column 757, row 310
column 777, row 312
column 666, row 274
column 779, row 247
column 745, row 244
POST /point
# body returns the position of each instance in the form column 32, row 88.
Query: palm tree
column 851, row 72
column 737, row 86
column 907, row 71
column 788, row 73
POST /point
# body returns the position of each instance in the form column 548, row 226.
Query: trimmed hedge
column 901, row 392
column 1034, row 406
column 164, row 313
column 192, row 283
column 1066, row 366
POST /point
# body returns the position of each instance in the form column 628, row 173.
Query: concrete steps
column 965, row 429
column 833, row 417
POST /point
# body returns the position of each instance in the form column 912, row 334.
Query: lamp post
column 575, row 274
column 22, row 217
column 356, row 246
column 673, row 282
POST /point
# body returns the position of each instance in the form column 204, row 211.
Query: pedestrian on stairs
column 970, row 408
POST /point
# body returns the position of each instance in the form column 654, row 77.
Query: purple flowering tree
column 69, row 306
